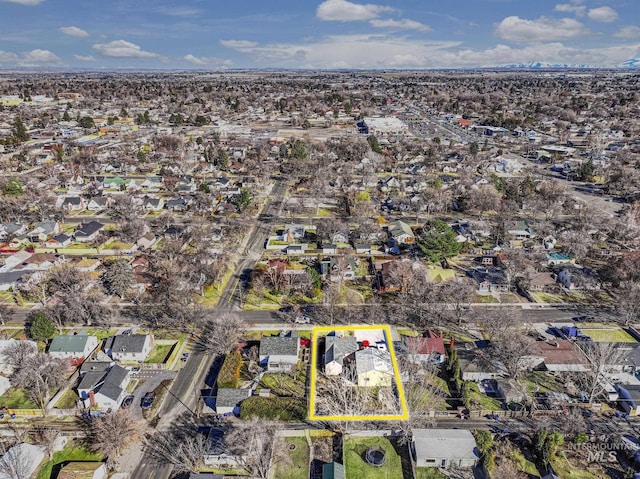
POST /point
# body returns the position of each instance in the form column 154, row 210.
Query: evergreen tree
column 438, row 241
column 41, row 327
column 19, row 130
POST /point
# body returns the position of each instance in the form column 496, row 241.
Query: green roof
column 69, row 344
column 333, row 470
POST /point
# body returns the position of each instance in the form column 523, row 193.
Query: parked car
column 302, row 319
column 147, row 400
column 126, row 402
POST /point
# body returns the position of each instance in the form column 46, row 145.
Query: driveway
column 149, row 380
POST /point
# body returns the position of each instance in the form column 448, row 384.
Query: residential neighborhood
column 311, row 274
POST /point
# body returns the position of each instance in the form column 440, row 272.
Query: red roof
column 426, row 345
column 464, row 122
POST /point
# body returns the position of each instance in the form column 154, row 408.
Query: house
column 279, row 353
column 228, row 400
column 575, row 278
column 83, row 470
column 40, row 262
column 373, row 367
column 339, row 237
column 338, row 268
column 59, row 241
column 629, row 398
column 559, row 355
column 113, row 183
column 11, row 229
column 73, row 203
column 402, row 232
column 337, row 346
column 179, row 203
column 426, row 349
column 104, row 390
column 152, row 204
column 490, row 280
column 129, row 347
column 11, row 279
column 519, row 231
column 543, row 282
column 333, row 470
column 44, row 230
column 75, row 346
column 99, row 203
column 554, row 259
column 293, row 232
column 444, row 448
column 146, row 241
column 26, row 458
column 476, row 365
column 87, row 232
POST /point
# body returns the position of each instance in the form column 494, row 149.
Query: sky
column 329, row 34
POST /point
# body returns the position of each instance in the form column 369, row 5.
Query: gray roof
column 200, row 475
column 372, row 359
column 444, row 443
column 279, row 346
column 69, row 344
column 112, row 381
column 337, row 347
column 91, row 379
column 133, row 343
column 87, row 229
column 12, row 276
column 93, row 366
column 230, row 397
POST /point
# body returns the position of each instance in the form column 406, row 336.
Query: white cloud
column 571, row 8
column 207, row 61
column 24, row 2
column 630, row 31
column 387, row 51
column 74, row 31
column 8, row 57
column 344, row 11
column 179, row 11
column 603, row 14
column 85, row 58
column 403, row 24
column 122, row 49
column 543, row 29
column 39, row 56
column 238, row 44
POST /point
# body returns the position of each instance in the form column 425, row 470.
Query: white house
column 104, row 390
column 75, row 346
column 132, row 347
column 444, row 448
column 279, row 353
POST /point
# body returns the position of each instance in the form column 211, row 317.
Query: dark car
column 147, row 400
column 126, row 402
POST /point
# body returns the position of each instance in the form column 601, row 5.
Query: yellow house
column 374, row 367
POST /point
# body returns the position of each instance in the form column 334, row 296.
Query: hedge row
column 229, row 374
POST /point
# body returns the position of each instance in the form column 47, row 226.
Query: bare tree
column 252, row 442
column 511, row 349
column 5, row 311
column 111, row 433
column 628, row 301
column 117, row 277
column 39, row 374
column 601, row 357
column 18, row 352
column 220, row 334
column 16, row 463
column 47, row 437
column 184, row 451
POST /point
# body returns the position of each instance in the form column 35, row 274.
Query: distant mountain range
column 631, row 63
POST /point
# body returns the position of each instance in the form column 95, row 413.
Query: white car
column 303, row 320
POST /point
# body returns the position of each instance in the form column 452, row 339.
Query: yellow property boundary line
column 314, row 365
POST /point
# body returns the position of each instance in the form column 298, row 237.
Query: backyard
column 160, row 353
column 68, row 454
column 295, row 458
column 16, row 398
column 355, row 449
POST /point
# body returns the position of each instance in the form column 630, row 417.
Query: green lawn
column 160, row 353
column 543, row 381
column 276, row 408
column 357, row 467
column 429, row 473
column 101, row 333
column 296, row 466
column 524, row 465
column 480, row 400
column 68, row 400
column 284, row 384
column 16, row 398
column 609, row 335
column 69, row 453
column 484, row 298
column 565, row 470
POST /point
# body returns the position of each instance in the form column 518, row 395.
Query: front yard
column 160, row 353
